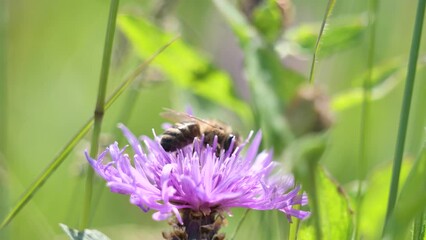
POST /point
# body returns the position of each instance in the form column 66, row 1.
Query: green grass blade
column 329, row 10
column 4, row 188
column 405, row 111
column 365, row 110
column 419, row 227
column 57, row 161
column 99, row 108
column 411, row 201
column 367, row 93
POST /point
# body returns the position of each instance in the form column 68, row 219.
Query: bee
column 188, row 127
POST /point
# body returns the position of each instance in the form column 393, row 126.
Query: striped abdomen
column 180, row 135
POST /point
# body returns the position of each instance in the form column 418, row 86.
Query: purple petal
column 195, row 178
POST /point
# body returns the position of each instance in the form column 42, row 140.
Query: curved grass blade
column 240, row 223
column 57, row 161
column 405, row 110
column 329, row 10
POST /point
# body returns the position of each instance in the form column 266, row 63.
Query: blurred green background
column 52, row 52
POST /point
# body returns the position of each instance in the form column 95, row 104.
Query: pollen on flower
column 196, row 185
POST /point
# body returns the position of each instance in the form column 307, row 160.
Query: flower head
column 196, row 178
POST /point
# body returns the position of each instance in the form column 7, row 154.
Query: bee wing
column 176, row 116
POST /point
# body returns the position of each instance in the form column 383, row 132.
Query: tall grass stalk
column 314, row 165
column 4, row 190
column 405, row 110
column 365, row 109
column 99, row 109
column 57, row 161
column 328, row 11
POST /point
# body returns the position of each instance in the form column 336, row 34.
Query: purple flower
column 196, row 178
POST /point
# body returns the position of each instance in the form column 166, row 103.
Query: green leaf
column 304, row 155
column 385, row 77
column 379, row 74
column 86, row 234
column 375, row 198
column 272, row 85
column 340, row 34
column 411, row 200
column 324, row 193
column 335, row 211
column 184, row 65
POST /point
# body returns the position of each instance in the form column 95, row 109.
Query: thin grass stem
column 328, row 11
column 365, row 110
column 405, row 110
column 294, row 227
column 99, row 109
column 313, row 167
column 57, row 161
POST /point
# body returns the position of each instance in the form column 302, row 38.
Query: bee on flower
column 195, row 185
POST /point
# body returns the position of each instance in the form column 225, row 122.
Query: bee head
column 228, row 142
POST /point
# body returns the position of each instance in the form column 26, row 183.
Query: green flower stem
column 365, row 110
column 313, row 168
column 328, row 11
column 294, row 227
column 100, row 108
column 405, row 111
column 57, row 161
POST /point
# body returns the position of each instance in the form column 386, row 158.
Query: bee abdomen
column 179, row 136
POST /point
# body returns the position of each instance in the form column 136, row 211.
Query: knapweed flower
column 197, row 185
